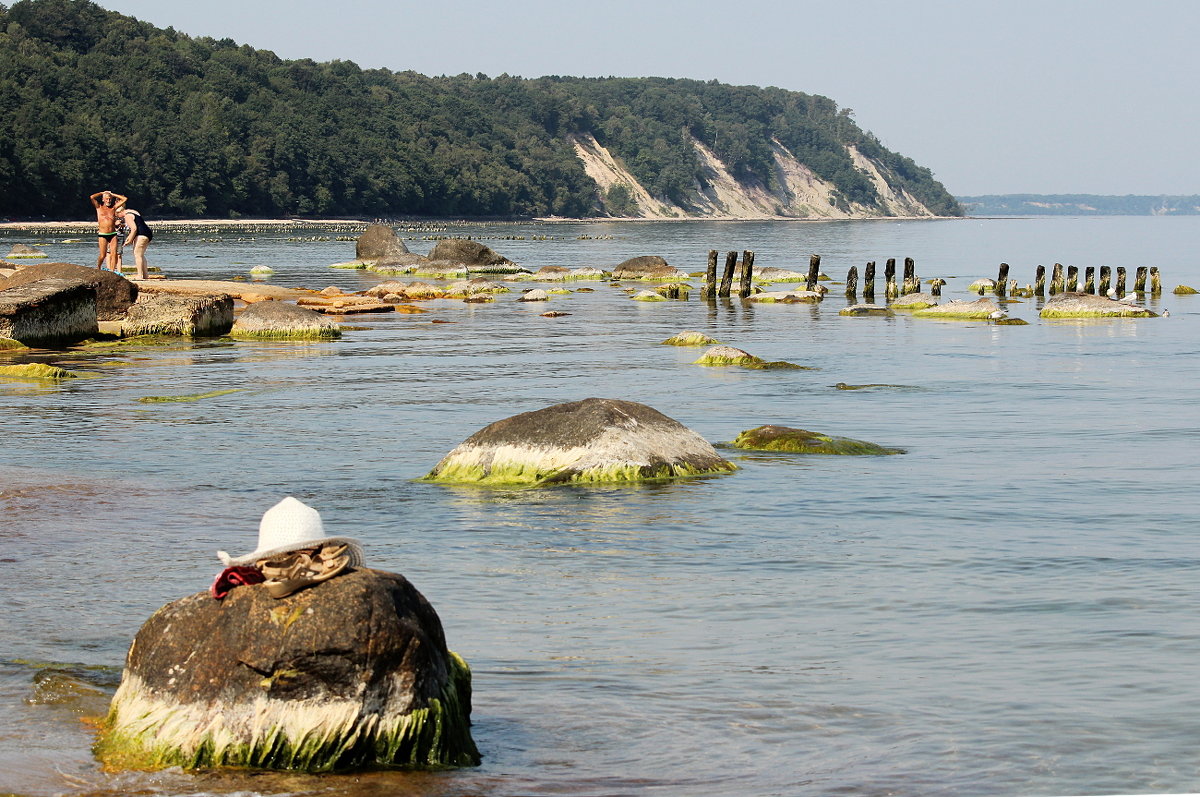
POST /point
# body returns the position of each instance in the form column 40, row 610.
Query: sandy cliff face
column 797, row 192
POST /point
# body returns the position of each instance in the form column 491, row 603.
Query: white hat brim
column 354, row 546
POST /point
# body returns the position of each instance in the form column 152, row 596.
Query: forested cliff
column 188, row 126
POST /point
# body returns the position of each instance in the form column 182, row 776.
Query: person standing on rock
column 105, row 203
column 140, row 236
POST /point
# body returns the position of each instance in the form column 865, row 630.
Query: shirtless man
column 106, row 203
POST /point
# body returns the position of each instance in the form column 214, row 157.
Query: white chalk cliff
column 797, row 192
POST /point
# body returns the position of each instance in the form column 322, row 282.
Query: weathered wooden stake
column 869, row 281
column 1120, row 281
column 1105, row 280
column 852, row 283
column 1139, row 279
column 710, row 282
column 935, row 287
column 1056, row 279
column 814, row 271
column 1155, row 281
column 1002, row 280
column 1072, row 279
column 746, row 287
column 727, row 276
column 889, row 278
column 911, row 285
column 1039, row 282
column 1089, row 279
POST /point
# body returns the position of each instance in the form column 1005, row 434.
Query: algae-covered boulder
column 966, row 311
column 690, row 338
column 1086, row 305
column 865, row 310
column 772, row 274
column 594, row 440
column 176, row 314
column 648, row 296
column 279, row 321
column 1184, row 290
column 802, row 441
column 535, row 295
column 984, row 285
column 351, row 672
column 114, row 293
column 647, row 267
column 35, row 371
column 380, row 244
column 914, row 301
column 473, row 255
column 787, row 297
column 728, row 355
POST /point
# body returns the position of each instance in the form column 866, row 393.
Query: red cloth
column 232, row 577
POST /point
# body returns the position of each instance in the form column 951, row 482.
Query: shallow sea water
column 1008, row 608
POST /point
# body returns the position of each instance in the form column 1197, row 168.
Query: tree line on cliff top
column 194, row 127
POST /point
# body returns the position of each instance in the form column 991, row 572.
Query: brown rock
column 114, row 293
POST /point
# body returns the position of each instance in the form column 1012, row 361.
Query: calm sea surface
column 1010, row 608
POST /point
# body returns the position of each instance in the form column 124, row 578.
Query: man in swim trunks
column 106, row 203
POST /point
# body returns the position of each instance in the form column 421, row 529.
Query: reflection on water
column 1007, row 608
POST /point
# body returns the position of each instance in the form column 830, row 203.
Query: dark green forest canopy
column 187, row 126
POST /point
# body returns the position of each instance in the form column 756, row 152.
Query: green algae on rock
column 191, row 397
column 728, row 355
column 787, row 297
column 690, row 338
column 9, row 343
column 914, row 301
column 274, row 320
column 580, row 442
column 865, row 310
column 802, row 441
column 35, row 371
column 965, row 311
column 1184, row 290
column 1086, row 305
column 648, row 296
column 353, row 672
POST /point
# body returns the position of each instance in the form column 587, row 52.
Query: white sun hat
column 289, row 526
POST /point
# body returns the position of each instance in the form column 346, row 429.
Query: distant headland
column 1079, row 205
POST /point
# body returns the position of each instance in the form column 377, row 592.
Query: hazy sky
column 1037, row 96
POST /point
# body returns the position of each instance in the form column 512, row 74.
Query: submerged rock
column 594, row 440
column 914, row 301
column 48, row 311
column 23, row 251
column 802, row 441
column 351, row 672
column 1085, row 305
column 280, row 321
column 865, row 309
column 648, row 296
column 114, row 293
column 35, row 371
column 690, row 338
column 787, row 297
column 978, row 309
column 1184, row 290
column 728, row 355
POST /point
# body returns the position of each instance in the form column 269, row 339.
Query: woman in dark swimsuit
column 140, row 236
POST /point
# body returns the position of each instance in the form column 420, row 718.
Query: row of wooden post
column 745, row 285
column 1071, row 283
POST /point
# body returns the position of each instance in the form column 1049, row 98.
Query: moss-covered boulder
column 647, row 267
column 964, row 311
column 351, row 672
column 176, row 314
column 472, row 255
column 1086, row 305
column 1184, row 290
column 865, row 310
column 114, row 293
column 34, row 371
column 984, row 285
column 914, row 301
column 590, row 441
column 648, row 296
column 771, row 274
column 690, row 338
column 474, row 287
column 802, row 441
column 728, row 355
column 274, row 320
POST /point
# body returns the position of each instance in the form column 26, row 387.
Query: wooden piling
column 1139, row 279
column 1072, row 279
column 935, row 286
column 889, row 278
column 1105, row 280
column 911, row 285
column 1120, row 281
column 1039, row 282
column 1056, row 279
column 852, row 283
column 869, row 281
column 1002, row 280
column 1155, row 281
column 710, row 281
column 727, row 276
column 747, row 286
column 1089, row 279
column 814, row 271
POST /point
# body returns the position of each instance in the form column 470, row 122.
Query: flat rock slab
column 114, row 293
column 1085, row 305
column 48, row 311
column 914, row 301
column 590, row 441
column 238, row 290
column 978, row 309
column 178, row 314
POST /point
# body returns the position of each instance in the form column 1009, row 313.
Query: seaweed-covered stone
column 473, row 255
column 914, row 301
column 1086, row 305
column 984, row 285
column 351, row 672
column 594, row 440
column 802, row 441
column 474, row 287
column 114, row 293
column 1184, row 290
column 48, row 311
column 562, row 274
column 23, row 251
column 787, row 297
column 648, row 296
column 647, row 267
column 535, row 295
column 278, row 320
column 176, row 314
column 690, row 338
column 380, row 244
column 865, row 310
column 978, row 309
column 728, row 355
column 772, row 274
column 35, row 371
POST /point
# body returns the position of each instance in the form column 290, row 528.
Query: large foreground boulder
column 380, row 244
column 1086, row 305
column 351, row 672
column 594, row 440
column 281, row 321
column 48, row 311
column 176, row 314
column 114, row 293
